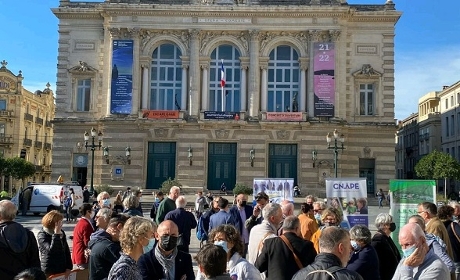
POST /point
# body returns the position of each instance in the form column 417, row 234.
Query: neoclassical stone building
column 148, row 76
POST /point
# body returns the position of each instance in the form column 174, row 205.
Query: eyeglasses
column 421, row 212
column 317, row 210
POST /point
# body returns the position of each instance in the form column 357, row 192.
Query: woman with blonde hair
column 330, row 217
column 135, row 235
column 52, row 244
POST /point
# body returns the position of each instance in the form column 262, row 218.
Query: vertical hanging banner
column 324, row 79
column 349, row 196
column 405, row 195
column 122, row 77
column 277, row 189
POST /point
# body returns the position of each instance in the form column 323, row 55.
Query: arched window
column 166, row 80
column 231, row 91
column 283, row 80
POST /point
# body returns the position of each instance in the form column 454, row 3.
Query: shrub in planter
column 166, row 185
column 241, row 188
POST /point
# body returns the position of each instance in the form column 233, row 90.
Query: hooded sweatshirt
column 104, row 253
column 18, row 250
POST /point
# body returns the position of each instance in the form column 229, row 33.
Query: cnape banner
column 122, row 77
column 277, row 189
column 405, row 195
column 349, row 196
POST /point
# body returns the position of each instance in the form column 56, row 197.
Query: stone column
column 136, row 73
column 244, row 62
column 204, row 87
column 184, row 88
column 194, row 72
column 303, row 83
column 264, row 84
column 145, row 86
column 254, row 72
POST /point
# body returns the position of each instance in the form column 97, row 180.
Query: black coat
column 54, row 252
column 388, row 254
column 324, row 261
column 277, row 259
column 185, row 222
column 18, row 250
column 104, row 253
column 239, row 223
column 366, row 263
column 151, row 269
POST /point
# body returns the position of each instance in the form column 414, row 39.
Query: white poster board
column 277, row 189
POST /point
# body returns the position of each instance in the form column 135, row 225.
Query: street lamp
column 337, row 140
column 93, row 147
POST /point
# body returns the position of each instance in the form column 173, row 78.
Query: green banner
column 405, row 195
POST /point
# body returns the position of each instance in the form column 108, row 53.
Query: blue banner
column 214, row 115
column 122, row 77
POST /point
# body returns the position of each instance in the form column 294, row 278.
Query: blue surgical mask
column 150, row 246
column 106, row 202
column 407, row 252
column 318, row 216
column 222, row 244
column 355, row 245
column 157, row 200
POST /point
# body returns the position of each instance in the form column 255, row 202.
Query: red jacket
column 81, row 234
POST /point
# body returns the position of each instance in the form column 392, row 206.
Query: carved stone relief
column 182, row 35
column 222, row 134
column 283, row 134
column 160, row 132
column 367, row 152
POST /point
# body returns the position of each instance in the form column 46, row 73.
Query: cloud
column 418, row 73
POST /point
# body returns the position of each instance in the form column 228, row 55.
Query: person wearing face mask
column 159, row 196
column 167, row 204
column 221, row 217
column 81, row 236
column 386, row 249
column 318, row 208
column 307, row 225
column 228, row 237
column 419, row 262
column 135, row 235
column 364, row 259
column 165, row 261
column 255, row 219
column 273, row 216
column 105, row 248
column 281, row 257
column 330, row 217
column 335, row 250
column 103, row 201
column 434, row 243
column 241, row 212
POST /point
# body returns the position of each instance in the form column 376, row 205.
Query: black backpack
column 324, row 274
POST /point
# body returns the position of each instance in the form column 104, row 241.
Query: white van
column 42, row 198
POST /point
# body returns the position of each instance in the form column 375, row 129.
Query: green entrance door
column 282, row 161
column 222, row 165
column 161, row 163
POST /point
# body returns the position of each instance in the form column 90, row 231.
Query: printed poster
column 405, row 195
column 122, row 77
column 277, row 189
column 349, row 196
column 324, row 79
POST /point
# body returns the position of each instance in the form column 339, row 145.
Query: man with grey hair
column 434, row 243
column 185, row 222
column 167, row 204
column 419, row 261
column 281, row 257
column 318, row 207
column 456, row 206
column 335, row 250
column 18, row 246
column 268, row 228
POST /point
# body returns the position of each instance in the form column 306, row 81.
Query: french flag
column 222, row 74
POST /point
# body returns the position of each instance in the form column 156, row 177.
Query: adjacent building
column 25, row 125
column 219, row 92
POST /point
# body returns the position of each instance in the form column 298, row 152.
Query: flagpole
column 222, row 86
column 222, row 94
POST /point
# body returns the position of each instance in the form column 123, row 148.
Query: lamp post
column 338, row 145
column 93, row 147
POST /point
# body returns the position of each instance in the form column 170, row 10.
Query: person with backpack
column 335, row 248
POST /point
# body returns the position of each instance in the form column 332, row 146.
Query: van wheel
column 50, row 208
column 36, row 213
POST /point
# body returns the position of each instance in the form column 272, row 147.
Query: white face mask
column 150, row 246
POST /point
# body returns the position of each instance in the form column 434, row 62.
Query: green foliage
column 242, row 188
column 437, row 165
column 19, row 168
column 104, row 188
column 166, row 185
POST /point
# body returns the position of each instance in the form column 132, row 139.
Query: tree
column 438, row 165
column 19, row 168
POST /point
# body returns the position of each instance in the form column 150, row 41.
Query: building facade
column 221, row 92
column 25, row 125
column 407, row 147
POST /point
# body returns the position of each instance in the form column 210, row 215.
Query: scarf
column 166, row 262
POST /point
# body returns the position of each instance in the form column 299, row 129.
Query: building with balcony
column 407, row 147
column 148, row 75
column 25, row 125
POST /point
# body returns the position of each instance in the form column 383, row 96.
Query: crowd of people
column 267, row 241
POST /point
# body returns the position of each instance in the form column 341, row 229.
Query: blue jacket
column 185, row 222
column 239, row 224
column 221, row 218
column 366, row 263
column 151, row 269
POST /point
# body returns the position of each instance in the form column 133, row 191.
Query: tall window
column 2, row 105
column 231, row 91
column 83, row 95
column 283, row 80
column 366, row 99
column 166, row 80
column 2, row 130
